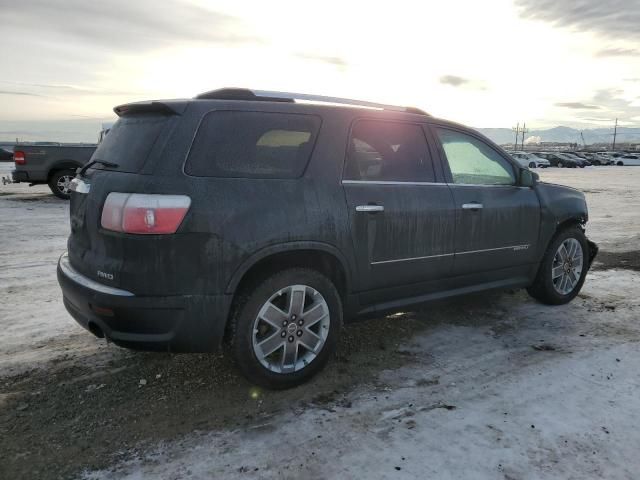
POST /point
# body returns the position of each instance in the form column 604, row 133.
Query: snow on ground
column 487, row 386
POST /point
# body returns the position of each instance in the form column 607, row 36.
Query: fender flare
column 266, row 252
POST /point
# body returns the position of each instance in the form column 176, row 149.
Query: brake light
column 19, row 158
column 144, row 213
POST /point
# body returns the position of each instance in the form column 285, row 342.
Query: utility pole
column 517, row 130
column 583, row 142
column 524, row 130
column 615, row 132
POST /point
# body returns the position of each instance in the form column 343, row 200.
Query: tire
column 549, row 290
column 249, row 328
column 560, row 165
column 532, row 165
column 620, row 164
column 59, row 183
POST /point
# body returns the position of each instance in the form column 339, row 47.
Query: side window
column 472, row 161
column 252, row 145
column 388, row 151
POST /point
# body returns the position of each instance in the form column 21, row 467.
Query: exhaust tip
column 96, row 330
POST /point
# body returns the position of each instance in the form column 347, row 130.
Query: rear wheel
column 563, row 268
column 560, row 165
column 60, row 181
column 532, row 165
column 285, row 329
column 620, row 163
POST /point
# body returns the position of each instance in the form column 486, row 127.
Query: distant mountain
column 565, row 135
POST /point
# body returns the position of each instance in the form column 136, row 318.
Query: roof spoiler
column 163, row 108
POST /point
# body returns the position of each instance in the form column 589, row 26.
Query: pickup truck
column 54, row 165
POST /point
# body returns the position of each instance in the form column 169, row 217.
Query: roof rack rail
column 289, row 97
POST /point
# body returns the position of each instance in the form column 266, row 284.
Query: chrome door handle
column 370, row 208
column 472, row 206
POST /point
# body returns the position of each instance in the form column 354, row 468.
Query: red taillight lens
column 19, row 158
column 144, row 214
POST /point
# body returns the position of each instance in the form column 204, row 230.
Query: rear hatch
column 130, row 152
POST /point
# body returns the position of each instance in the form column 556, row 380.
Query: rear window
column 252, row 145
column 129, row 141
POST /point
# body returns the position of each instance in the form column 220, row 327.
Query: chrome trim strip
column 483, row 186
column 80, row 279
column 514, row 247
column 384, row 182
column 370, row 208
column 413, row 258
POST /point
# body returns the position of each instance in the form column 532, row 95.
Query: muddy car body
column 257, row 220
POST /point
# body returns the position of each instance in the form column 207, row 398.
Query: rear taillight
column 144, row 214
column 19, row 158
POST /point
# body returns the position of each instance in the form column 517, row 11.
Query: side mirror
column 528, row 178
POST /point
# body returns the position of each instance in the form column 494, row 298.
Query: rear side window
column 388, row 151
column 252, row 145
column 474, row 162
column 129, row 141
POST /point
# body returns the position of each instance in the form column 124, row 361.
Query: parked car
column 627, row 159
column 54, row 165
column 558, row 159
column 5, row 155
column 596, row 159
column 579, row 160
column 252, row 219
column 530, row 160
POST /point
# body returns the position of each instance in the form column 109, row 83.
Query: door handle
column 472, row 206
column 370, row 208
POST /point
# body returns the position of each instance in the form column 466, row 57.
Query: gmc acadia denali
column 263, row 220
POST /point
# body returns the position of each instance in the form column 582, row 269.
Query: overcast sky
column 485, row 63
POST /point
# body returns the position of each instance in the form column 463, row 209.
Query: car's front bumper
column 176, row 323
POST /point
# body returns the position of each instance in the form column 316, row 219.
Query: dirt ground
column 486, row 386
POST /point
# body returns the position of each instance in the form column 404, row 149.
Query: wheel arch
column 322, row 257
column 62, row 165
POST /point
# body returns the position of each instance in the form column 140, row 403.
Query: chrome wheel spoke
column 273, row 315
column 314, row 314
column 271, row 344
column 290, row 357
column 296, row 300
column 310, row 340
column 557, row 272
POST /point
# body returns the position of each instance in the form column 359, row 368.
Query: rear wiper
column 93, row 162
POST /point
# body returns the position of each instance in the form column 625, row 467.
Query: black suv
column 260, row 221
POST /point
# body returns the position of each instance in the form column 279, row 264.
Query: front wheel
column 560, row 165
column 285, row 329
column 563, row 268
column 532, row 165
column 620, row 164
column 60, row 181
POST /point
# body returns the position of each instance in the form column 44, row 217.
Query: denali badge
column 108, row 276
column 520, row 247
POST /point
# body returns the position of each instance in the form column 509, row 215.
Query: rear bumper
column 18, row 176
column 184, row 323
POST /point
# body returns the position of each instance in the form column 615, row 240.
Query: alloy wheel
column 290, row 329
column 567, row 266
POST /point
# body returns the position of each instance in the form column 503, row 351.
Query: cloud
column 453, row 80
column 122, row 24
column 55, row 89
column 617, row 52
column 611, row 18
column 577, row 105
column 331, row 60
column 25, row 94
column 533, row 140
